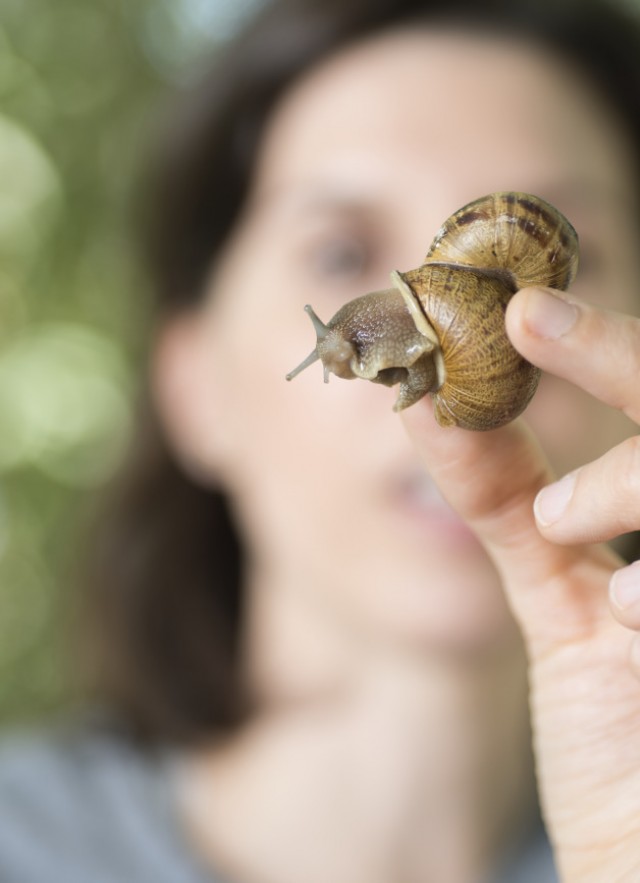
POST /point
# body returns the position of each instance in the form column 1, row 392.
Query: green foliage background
column 81, row 82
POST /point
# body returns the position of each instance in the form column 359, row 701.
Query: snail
column 441, row 329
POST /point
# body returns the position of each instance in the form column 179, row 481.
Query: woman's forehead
column 409, row 108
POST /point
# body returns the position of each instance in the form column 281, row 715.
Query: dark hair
column 166, row 584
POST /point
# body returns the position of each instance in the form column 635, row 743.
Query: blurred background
column 81, row 84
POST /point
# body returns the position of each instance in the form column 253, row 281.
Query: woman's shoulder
column 76, row 747
column 80, row 801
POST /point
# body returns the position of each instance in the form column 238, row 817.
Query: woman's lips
column 419, row 498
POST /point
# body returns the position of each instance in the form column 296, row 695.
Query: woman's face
column 362, row 162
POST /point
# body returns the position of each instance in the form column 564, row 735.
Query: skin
column 585, row 697
column 373, row 608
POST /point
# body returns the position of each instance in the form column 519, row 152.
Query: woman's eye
column 340, row 259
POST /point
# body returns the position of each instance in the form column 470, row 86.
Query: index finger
column 595, row 349
column 491, row 479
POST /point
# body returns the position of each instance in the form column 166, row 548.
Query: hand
column 601, row 353
column 585, row 696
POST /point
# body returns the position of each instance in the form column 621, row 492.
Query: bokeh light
column 31, row 190
column 63, row 397
column 81, row 85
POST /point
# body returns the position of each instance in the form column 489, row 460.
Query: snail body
column 441, row 329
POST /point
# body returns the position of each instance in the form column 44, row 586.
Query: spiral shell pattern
column 516, row 232
column 480, row 256
column 486, row 382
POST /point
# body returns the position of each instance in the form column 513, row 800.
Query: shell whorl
column 481, row 255
column 516, row 232
column 484, row 382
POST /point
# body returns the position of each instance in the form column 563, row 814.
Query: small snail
column 440, row 329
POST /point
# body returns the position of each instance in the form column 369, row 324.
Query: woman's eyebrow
column 311, row 201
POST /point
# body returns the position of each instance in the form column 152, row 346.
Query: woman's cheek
column 573, row 428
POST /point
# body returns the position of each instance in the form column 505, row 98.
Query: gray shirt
column 82, row 804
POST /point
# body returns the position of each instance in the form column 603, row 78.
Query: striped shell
column 480, row 256
column 484, row 381
column 520, row 233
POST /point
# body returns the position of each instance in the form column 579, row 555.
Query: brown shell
column 487, row 383
column 517, row 232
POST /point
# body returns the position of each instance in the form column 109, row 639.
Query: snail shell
column 441, row 329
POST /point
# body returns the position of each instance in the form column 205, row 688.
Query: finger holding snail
column 491, row 480
column 598, row 502
column 582, row 679
column 596, row 349
column 600, row 352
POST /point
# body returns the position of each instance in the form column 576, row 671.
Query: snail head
column 333, row 348
column 374, row 337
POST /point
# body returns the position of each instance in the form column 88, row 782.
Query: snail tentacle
column 311, row 358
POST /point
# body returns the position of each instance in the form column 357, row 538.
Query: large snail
column 441, row 329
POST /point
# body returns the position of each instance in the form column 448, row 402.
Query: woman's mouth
column 418, row 498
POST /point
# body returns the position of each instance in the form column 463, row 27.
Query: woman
column 346, row 700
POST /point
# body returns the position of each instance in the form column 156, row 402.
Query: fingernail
column 551, row 502
column 624, row 587
column 549, row 316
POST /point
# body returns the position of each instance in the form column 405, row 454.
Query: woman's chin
column 458, row 606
